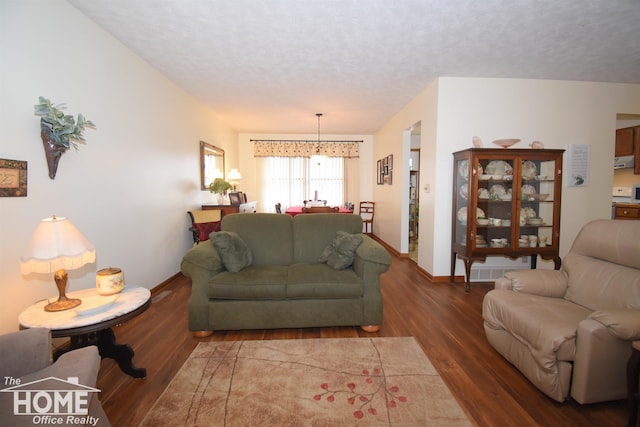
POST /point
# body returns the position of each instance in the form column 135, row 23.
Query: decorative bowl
column 506, row 143
column 483, row 221
column 534, row 221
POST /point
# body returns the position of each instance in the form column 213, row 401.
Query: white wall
column 558, row 113
column 128, row 189
column 360, row 179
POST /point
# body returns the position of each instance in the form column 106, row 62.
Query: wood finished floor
column 444, row 320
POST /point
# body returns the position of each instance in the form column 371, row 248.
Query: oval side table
column 93, row 327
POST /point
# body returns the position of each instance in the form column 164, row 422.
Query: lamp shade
column 56, row 244
column 234, row 175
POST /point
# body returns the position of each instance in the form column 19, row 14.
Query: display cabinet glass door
column 506, row 202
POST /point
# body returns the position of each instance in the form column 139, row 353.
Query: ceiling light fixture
column 317, row 157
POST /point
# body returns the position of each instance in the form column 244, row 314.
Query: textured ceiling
column 269, row 66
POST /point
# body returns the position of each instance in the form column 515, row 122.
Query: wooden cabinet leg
column 467, row 269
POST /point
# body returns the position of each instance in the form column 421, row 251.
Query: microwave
column 635, row 193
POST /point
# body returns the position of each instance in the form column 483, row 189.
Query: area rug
column 308, row 382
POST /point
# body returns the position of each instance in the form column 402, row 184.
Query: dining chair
column 203, row 223
column 367, row 210
column 319, row 209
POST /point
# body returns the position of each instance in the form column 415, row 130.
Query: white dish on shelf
column 462, row 214
column 463, row 169
column 464, row 191
column 528, row 189
column 498, row 167
column 497, row 190
column 529, row 170
column 526, row 213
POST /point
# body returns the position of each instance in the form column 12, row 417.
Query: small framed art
column 13, row 178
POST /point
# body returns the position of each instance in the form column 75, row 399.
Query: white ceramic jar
column 109, row 281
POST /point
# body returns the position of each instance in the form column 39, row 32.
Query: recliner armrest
column 623, row 324
column 548, row 283
column 25, row 351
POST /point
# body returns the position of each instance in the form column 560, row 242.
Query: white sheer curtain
column 291, row 180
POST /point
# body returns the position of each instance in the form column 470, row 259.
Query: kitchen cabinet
column 626, row 211
column 624, row 142
column 628, row 144
column 506, row 202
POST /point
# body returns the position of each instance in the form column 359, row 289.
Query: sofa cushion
column 342, row 250
column 546, row 325
column 320, row 281
column 269, row 236
column 253, row 282
column 234, row 252
column 313, row 232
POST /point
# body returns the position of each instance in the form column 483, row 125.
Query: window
column 291, row 180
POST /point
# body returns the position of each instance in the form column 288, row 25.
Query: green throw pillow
column 342, row 250
column 234, row 252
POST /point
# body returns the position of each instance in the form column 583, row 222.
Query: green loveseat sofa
column 285, row 285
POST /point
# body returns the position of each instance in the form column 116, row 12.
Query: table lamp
column 234, row 177
column 56, row 246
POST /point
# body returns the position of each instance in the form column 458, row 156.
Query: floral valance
column 274, row 148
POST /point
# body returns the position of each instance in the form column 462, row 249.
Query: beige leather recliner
column 570, row 330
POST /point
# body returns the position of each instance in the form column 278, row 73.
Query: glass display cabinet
column 505, row 202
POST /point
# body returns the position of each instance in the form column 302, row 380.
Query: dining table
column 295, row 210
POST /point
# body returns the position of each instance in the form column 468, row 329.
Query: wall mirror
column 211, row 164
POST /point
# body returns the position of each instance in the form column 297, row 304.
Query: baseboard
column 158, row 288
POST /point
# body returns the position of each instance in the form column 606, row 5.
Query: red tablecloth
column 295, row 210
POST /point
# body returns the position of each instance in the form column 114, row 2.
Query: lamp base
column 62, row 304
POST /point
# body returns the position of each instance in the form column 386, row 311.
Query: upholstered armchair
column 570, row 331
column 25, row 358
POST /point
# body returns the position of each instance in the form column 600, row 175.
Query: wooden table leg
column 105, row 340
column 121, row 353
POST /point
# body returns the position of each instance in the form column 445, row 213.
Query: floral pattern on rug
column 378, row 393
column 307, row 382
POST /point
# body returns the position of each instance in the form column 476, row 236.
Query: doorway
column 414, row 186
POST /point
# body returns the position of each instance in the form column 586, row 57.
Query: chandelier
column 317, row 157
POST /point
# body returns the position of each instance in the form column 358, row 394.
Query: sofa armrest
column 201, row 258
column 548, row 283
column 200, row 263
column 623, row 324
column 372, row 251
column 25, row 351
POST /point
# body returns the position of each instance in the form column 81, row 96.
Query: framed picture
column 380, row 173
column 13, row 178
column 390, row 178
column 390, row 161
column 579, row 158
column 236, row 198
